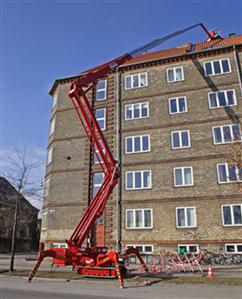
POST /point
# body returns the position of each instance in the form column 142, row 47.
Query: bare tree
column 19, row 171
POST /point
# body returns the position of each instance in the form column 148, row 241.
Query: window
column 52, row 126
column 101, row 90
column 97, row 182
column 178, row 105
column 137, row 144
column 54, row 103
column 217, row 67
column 228, row 174
column 175, row 74
column 232, row 214
column 144, row 249
column 138, row 179
column 49, row 156
column 44, row 220
column 136, row 111
column 186, row 217
column 222, row 98
column 226, row 134
column 188, row 248
column 59, row 245
column 47, row 187
column 180, row 139
column 183, row 176
column 100, row 115
column 139, row 218
column 136, row 81
column 233, row 248
column 97, row 154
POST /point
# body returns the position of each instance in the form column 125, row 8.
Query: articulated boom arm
column 109, row 166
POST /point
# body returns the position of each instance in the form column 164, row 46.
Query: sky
column 41, row 41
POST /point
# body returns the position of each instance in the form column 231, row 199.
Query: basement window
column 188, row 248
column 233, row 248
column 101, row 90
column 144, row 249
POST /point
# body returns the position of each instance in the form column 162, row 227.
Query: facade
column 28, row 226
column 170, row 117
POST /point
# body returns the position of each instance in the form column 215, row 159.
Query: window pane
column 227, row 134
column 185, row 141
column 136, row 111
column 101, row 123
column 146, row 178
column 190, row 217
column 181, row 217
column 178, row 177
column 101, row 84
column 171, row 75
column 225, row 65
column 173, row 106
column 232, row 174
column 231, row 97
column 148, row 249
column 129, row 220
column 239, row 248
column 129, row 143
column 130, row 180
column 100, row 94
column 237, row 214
column 137, row 145
column 138, row 180
column 212, row 100
column 138, row 218
column 97, row 182
column 208, row 68
column 192, row 248
column 135, row 81
column 144, row 110
column 147, row 214
column 221, row 98
column 217, row 135
column 230, row 248
column 182, row 104
column 128, row 82
column 128, row 112
column 217, row 68
column 236, row 132
column 227, row 215
column 178, row 74
column 222, row 173
column 187, row 176
column 143, row 80
column 145, row 143
column 176, row 140
column 99, row 113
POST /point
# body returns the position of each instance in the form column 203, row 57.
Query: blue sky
column 45, row 40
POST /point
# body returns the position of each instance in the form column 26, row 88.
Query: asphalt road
column 17, row 288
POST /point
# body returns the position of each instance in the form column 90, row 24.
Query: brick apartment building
column 169, row 117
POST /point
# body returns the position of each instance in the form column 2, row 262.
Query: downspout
column 236, row 58
column 118, row 157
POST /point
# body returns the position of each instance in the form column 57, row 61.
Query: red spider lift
column 99, row 261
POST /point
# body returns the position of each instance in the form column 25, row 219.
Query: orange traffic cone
column 210, row 273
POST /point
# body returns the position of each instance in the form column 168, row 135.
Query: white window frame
column 180, row 139
column 54, row 100
column 227, row 174
column 222, row 135
column 47, row 187
column 232, row 214
column 50, row 156
column 44, row 220
column 132, row 80
column 212, row 66
column 187, row 248
column 133, row 145
column 101, row 118
column 174, row 70
column 52, row 126
column 59, row 245
column 186, row 225
column 143, row 247
column 132, row 106
column 101, row 89
column 226, row 99
column 177, row 104
column 143, row 219
column 183, row 178
column 142, row 180
column 235, row 247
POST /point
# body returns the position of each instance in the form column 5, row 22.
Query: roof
column 8, row 194
column 188, row 48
